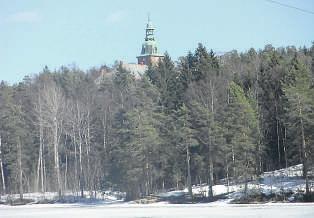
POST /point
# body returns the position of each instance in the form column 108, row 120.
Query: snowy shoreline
column 158, row 210
column 158, row 205
column 283, row 186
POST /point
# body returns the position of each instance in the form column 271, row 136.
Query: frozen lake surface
column 159, row 211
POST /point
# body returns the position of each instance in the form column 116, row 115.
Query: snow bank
column 287, row 180
column 69, row 197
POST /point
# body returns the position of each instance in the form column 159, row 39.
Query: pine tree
column 14, row 139
column 300, row 112
column 271, row 104
column 168, row 83
column 184, row 140
column 138, row 142
column 207, row 132
column 240, row 125
column 124, row 84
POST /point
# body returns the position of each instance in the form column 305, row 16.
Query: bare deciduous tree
column 53, row 110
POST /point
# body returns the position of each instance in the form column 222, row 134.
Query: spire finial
column 148, row 17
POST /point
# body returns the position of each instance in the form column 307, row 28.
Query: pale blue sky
column 35, row 33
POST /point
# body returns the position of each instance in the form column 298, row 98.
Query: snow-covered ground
column 70, row 197
column 287, row 180
column 159, row 211
column 109, row 204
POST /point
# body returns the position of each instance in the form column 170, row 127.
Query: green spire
column 149, row 53
column 149, row 47
column 149, row 30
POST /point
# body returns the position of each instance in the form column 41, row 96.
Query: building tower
column 149, row 54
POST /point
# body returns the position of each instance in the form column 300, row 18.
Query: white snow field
column 290, row 210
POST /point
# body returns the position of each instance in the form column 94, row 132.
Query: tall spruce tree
column 240, row 125
column 300, row 113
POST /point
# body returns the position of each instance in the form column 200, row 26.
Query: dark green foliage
column 166, row 77
column 240, row 128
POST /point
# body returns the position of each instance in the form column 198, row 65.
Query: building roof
column 137, row 70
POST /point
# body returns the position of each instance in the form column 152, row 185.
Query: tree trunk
column 211, row 120
column 233, row 161
column 163, row 185
column 212, row 98
column 19, row 153
column 246, row 182
column 79, row 119
column 147, row 178
column 88, row 149
column 285, row 147
column 211, row 178
column 41, row 146
column 304, row 152
column 38, row 172
column 259, row 159
column 227, row 175
column 105, row 131
column 66, row 172
column 1, row 168
column 81, row 165
column 122, row 99
column 246, row 174
column 258, row 148
column 189, row 180
column 45, row 176
column 210, row 166
column 40, row 169
column 105, row 159
column 106, row 124
column 56, row 156
column 278, row 143
column 76, row 181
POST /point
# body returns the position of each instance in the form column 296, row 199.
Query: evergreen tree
column 184, row 140
column 271, row 104
column 240, row 125
column 300, row 113
column 13, row 139
column 167, row 80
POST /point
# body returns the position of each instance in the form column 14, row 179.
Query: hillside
column 284, row 185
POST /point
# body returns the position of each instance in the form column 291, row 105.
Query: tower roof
column 149, row 53
column 150, row 46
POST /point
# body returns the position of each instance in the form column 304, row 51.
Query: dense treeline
column 197, row 120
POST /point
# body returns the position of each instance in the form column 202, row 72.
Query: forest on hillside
column 199, row 119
